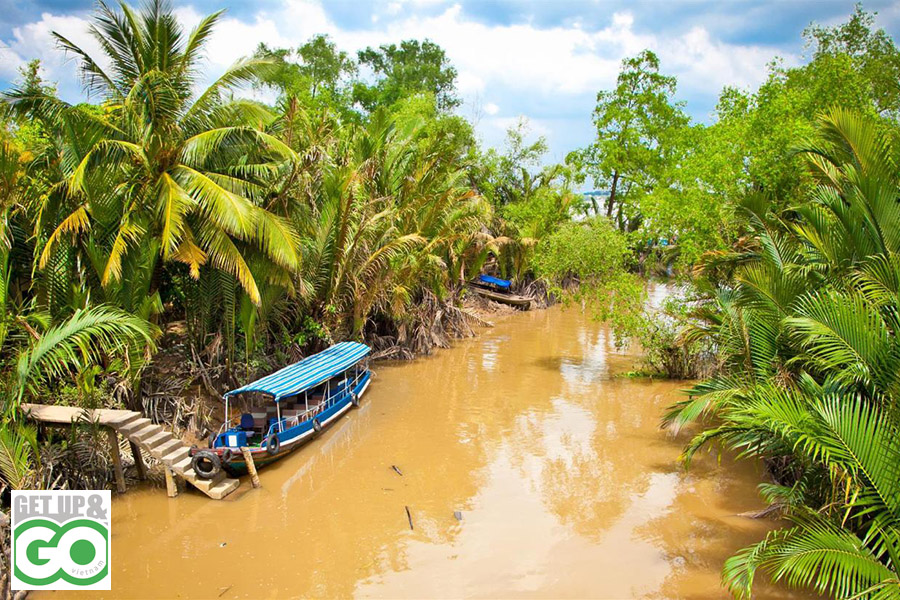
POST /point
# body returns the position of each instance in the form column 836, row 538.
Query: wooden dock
column 142, row 435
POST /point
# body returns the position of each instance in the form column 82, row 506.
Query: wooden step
column 120, row 422
column 142, row 435
column 223, row 488
column 176, row 456
column 204, row 485
column 158, row 439
column 167, row 448
column 133, row 426
column 182, row 465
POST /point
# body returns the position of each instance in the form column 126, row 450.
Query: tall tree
column 872, row 53
column 637, row 124
column 412, row 67
column 324, row 64
column 317, row 72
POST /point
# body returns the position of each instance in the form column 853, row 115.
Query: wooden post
column 117, row 459
column 251, row 467
column 171, row 484
column 138, row 460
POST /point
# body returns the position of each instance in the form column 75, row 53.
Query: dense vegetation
column 795, row 300
column 806, row 328
column 165, row 241
column 166, row 233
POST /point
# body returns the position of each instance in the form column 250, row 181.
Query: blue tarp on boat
column 494, row 281
column 307, row 373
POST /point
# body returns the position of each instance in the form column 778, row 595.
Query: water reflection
column 566, row 487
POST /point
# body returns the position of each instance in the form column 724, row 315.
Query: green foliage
column 411, row 68
column 316, row 74
column 582, row 251
column 666, row 352
column 88, row 337
column 873, row 56
column 18, row 449
column 637, row 124
column 590, row 259
column 530, row 201
column 806, row 329
column 668, row 179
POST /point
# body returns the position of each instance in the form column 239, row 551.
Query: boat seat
column 259, row 424
column 246, row 422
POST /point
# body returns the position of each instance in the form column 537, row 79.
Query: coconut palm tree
column 162, row 174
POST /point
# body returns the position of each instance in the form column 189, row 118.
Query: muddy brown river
column 565, row 485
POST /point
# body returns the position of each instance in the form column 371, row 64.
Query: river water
column 565, row 485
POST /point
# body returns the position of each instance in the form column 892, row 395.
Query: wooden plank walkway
column 142, row 435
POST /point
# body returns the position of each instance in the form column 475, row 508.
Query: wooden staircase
column 154, row 439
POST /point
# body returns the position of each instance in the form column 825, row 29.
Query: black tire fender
column 227, row 455
column 317, row 426
column 354, row 399
column 206, row 464
column 272, row 444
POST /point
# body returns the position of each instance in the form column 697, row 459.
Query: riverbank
column 564, row 484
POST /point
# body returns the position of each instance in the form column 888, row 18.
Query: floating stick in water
column 409, row 517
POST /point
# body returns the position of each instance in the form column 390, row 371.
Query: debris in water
column 396, row 470
column 222, row 593
column 222, row 545
column 409, row 517
column 387, row 489
column 458, row 515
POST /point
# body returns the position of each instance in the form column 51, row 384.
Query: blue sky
column 542, row 59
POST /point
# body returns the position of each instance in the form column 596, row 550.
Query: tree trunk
column 611, row 201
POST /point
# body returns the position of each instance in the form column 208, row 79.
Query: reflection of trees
column 572, row 449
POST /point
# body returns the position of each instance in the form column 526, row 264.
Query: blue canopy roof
column 307, row 373
column 494, row 281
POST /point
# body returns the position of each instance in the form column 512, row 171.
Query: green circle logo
column 75, row 552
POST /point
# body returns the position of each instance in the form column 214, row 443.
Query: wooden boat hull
column 511, row 299
column 295, row 437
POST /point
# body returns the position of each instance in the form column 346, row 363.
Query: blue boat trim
column 307, row 373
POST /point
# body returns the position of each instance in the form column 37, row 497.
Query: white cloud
column 706, row 64
column 35, row 40
column 9, row 62
column 550, row 73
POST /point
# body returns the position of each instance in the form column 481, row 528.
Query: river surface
column 565, row 485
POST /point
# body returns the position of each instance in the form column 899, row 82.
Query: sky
column 541, row 59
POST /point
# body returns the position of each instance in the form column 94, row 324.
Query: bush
column 589, row 261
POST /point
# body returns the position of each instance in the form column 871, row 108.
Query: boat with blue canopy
column 498, row 290
column 280, row 412
column 495, row 282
